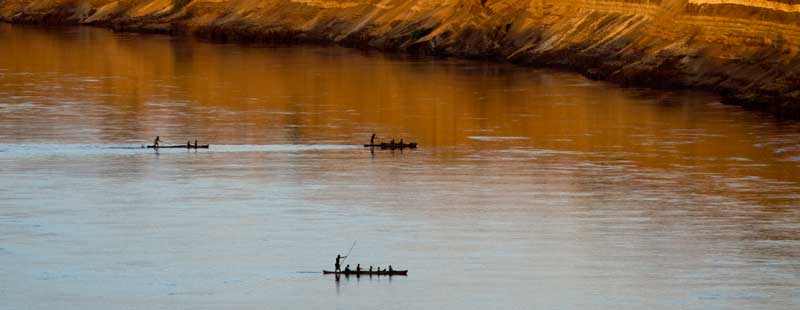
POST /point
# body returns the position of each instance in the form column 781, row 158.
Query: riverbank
column 745, row 50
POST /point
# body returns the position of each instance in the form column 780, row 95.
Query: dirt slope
column 746, row 50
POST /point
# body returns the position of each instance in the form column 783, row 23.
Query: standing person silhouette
column 338, row 262
column 158, row 139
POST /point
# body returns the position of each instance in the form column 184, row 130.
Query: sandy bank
column 746, row 50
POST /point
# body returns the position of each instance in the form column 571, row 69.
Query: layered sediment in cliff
column 746, row 50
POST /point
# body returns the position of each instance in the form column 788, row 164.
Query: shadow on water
column 377, row 278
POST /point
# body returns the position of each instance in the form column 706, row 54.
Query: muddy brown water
column 530, row 189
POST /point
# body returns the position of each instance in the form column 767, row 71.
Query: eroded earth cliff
column 746, row 50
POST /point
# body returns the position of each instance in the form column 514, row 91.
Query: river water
column 530, row 189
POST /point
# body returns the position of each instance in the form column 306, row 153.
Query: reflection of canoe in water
column 182, row 146
column 368, row 273
column 393, row 146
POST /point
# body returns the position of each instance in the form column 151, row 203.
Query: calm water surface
column 531, row 189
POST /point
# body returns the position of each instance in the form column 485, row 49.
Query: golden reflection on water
column 94, row 86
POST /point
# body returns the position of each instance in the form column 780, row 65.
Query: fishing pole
column 348, row 252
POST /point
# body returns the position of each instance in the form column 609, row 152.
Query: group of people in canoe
column 188, row 145
column 358, row 269
column 391, row 144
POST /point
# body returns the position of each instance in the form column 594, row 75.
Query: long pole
column 348, row 252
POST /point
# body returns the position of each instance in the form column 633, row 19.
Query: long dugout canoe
column 183, row 146
column 412, row 145
column 369, row 273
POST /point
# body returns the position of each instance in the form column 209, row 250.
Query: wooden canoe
column 182, row 146
column 393, row 146
column 369, row 273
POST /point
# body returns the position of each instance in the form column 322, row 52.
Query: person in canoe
column 390, row 268
column 347, row 269
column 372, row 140
column 195, row 143
column 155, row 143
column 339, row 258
column 358, row 268
column 370, row 269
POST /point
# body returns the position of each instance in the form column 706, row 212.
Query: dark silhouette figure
column 189, row 144
column 158, row 139
column 347, row 269
column 338, row 260
column 372, row 139
column 358, row 268
column 370, row 268
column 195, row 143
column 390, row 268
